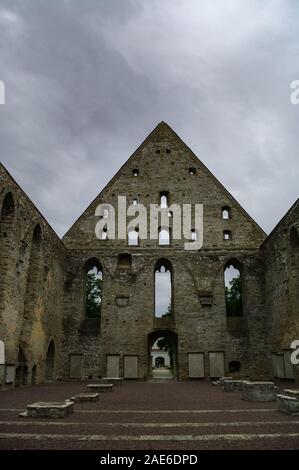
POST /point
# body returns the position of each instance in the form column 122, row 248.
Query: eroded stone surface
column 259, row 391
column 233, row 385
column 50, row 409
column 288, row 404
column 292, row 393
column 43, row 280
column 100, row 387
column 85, row 397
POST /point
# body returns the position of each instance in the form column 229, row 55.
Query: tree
column 168, row 313
column 233, row 298
column 93, row 295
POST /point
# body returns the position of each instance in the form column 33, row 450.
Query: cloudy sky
column 86, row 81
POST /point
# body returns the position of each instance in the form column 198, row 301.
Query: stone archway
column 171, row 340
column 50, row 362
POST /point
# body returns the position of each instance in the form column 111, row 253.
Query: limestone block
column 287, row 404
column 50, row 409
column 259, row 391
column 233, row 385
column 85, row 397
column 100, row 387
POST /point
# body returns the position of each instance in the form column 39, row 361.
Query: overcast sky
column 86, row 81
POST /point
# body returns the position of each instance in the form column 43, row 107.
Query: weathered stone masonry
column 31, row 285
column 43, row 280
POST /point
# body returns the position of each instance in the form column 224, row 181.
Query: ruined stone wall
column 163, row 162
column 281, row 257
column 43, row 280
column 31, row 282
column 126, row 326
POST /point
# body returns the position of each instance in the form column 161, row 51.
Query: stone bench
column 117, row 381
column 292, row 393
column 233, row 385
column 222, row 379
column 259, row 391
column 287, row 404
column 85, row 397
column 49, row 409
column 100, row 387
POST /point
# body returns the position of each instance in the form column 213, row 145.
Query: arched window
column 193, row 235
column 163, row 289
column 7, row 216
column 227, row 235
column 233, row 290
column 164, row 200
column 133, row 238
column 94, row 283
column 104, row 234
column 8, row 210
column 226, row 213
column 164, row 236
column 33, row 275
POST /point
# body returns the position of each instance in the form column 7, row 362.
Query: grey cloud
column 87, row 81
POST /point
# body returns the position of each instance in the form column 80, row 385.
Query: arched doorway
column 159, row 361
column 162, row 355
column 50, row 362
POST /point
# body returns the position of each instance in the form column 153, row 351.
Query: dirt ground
column 149, row 416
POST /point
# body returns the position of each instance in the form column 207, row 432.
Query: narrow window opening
column 226, row 213
column 233, row 291
column 105, row 234
column 163, row 289
column 135, row 172
column 193, row 235
column 94, row 280
column 164, row 200
column 133, row 237
column 227, row 235
column 192, row 171
column 168, row 151
column 164, row 236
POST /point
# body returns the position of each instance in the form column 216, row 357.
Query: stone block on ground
column 233, row 385
column 292, row 393
column 287, row 404
column 221, row 379
column 259, row 391
column 100, row 387
column 85, row 397
column 49, row 409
